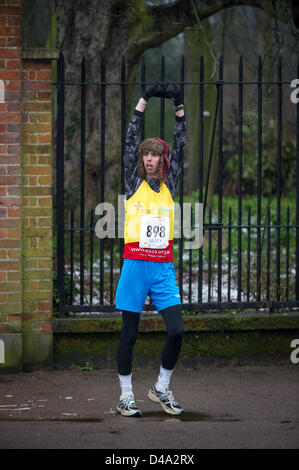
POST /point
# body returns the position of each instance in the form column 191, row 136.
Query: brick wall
column 11, row 182
column 25, row 197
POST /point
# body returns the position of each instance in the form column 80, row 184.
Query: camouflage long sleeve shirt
column 132, row 180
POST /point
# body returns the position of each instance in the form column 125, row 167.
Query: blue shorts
column 140, row 279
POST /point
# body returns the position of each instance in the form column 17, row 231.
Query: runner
column 151, row 177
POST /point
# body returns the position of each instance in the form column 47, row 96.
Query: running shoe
column 127, row 406
column 166, row 399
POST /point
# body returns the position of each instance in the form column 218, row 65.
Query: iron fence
column 257, row 252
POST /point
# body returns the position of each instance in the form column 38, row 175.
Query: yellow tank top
column 149, row 219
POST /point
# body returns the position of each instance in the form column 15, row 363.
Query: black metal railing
column 257, row 252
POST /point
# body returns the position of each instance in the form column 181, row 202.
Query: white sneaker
column 166, row 399
column 127, row 406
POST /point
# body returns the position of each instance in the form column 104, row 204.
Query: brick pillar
column 37, row 208
column 25, row 197
column 10, row 185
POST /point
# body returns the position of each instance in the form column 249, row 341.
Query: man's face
column 151, row 162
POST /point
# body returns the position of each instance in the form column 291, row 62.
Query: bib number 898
column 156, row 230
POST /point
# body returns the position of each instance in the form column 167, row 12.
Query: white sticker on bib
column 154, row 231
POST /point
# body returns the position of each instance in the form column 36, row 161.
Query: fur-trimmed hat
column 158, row 146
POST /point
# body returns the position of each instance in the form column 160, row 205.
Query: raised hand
column 175, row 93
column 164, row 90
column 152, row 91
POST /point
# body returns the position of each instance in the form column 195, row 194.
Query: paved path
column 230, row 407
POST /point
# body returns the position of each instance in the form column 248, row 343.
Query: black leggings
column 175, row 331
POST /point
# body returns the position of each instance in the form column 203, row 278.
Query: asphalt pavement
column 229, row 407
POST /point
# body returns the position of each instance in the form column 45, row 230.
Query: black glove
column 158, row 90
column 151, row 92
column 176, row 94
column 161, row 90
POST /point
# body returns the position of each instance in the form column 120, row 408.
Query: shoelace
column 169, row 395
column 128, row 399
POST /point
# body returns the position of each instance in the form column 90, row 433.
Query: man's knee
column 174, row 321
column 130, row 328
column 129, row 337
column 176, row 333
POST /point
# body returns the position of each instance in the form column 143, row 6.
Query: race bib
column 154, row 231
